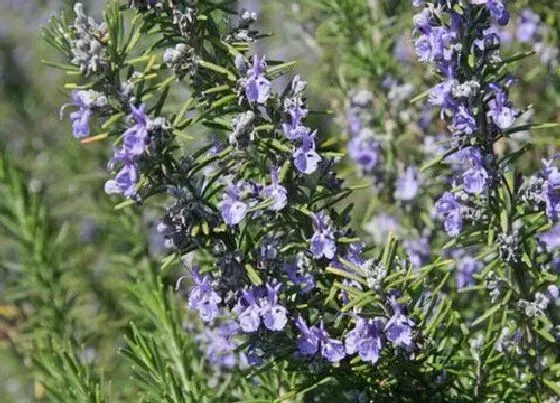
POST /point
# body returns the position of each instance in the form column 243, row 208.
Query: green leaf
column 553, row 385
column 279, row 69
column 218, row 69
column 253, row 275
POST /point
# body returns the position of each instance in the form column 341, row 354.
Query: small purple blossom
column 248, row 312
column 134, row 138
column 467, row 266
column 408, row 184
column 256, row 304
column 418, row 251
column 449, row 210
column 463, row 121
column 86, row 101
column 295, row 129
column 322, row 242
column 550, row 239
column 500, row 110
column 552, row 190
column 257, row 87
column 399, row 328
column 305, row 280
column 476, row 177
column 232, row 209
column 497, row 9
column 125, row 181
column 313, row 339
column 364, row 152
column 203, row 298
column 220, row 345
column 308, row 341
column 366, row 339
column 273, row 314
column 276, row 191
column 305, row 157
column 527, row 26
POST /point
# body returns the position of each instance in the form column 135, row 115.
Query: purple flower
column 322, row 242
column 449, row 210
column 408, row 184
column 466, row 267
column 463, row 122
column 453, row 223
column 475, row 178
column 305, row 157
column 550, row 239
column 500, row 110
column 276, row 191
column 308, row 341
column 257, row 87
column 331, row 349
column 365, row 339
column 552, row 191
column 273, row 314
column 232, row 209
column 125, row 181
column 364, row 151
column 220, row 345
column 399, row 328
column 254, row 304
column 418, row 251
column 86, row 101
column 299, row 279
column 381, row 225
column 248, row 312
column 552, row 292
column 134, row 139
column 496, row 8
column 527, row 26
column 203, row 298
column 313, row 339
column 295, row 129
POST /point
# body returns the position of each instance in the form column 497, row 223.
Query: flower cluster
column 143, row 133
column 305, row 156
column 363, row 146
column 478, row 110
column 88, row 43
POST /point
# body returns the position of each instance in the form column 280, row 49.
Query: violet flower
column 322, row 242
column 125, row 181
column 550, row 239
column 273, row 314
column 467, row 266
column 248, row 312
column 86, row 101
column 276, row 191
column 408, row 184
column 232, row 209
column 203, row 298
column 527, row 26
column 475, row 178
column 305, row 157
column 366, row 339
column 134, row 138
column 399, row 328
column 313, row 339
column 257, row 87
column 448, row 209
